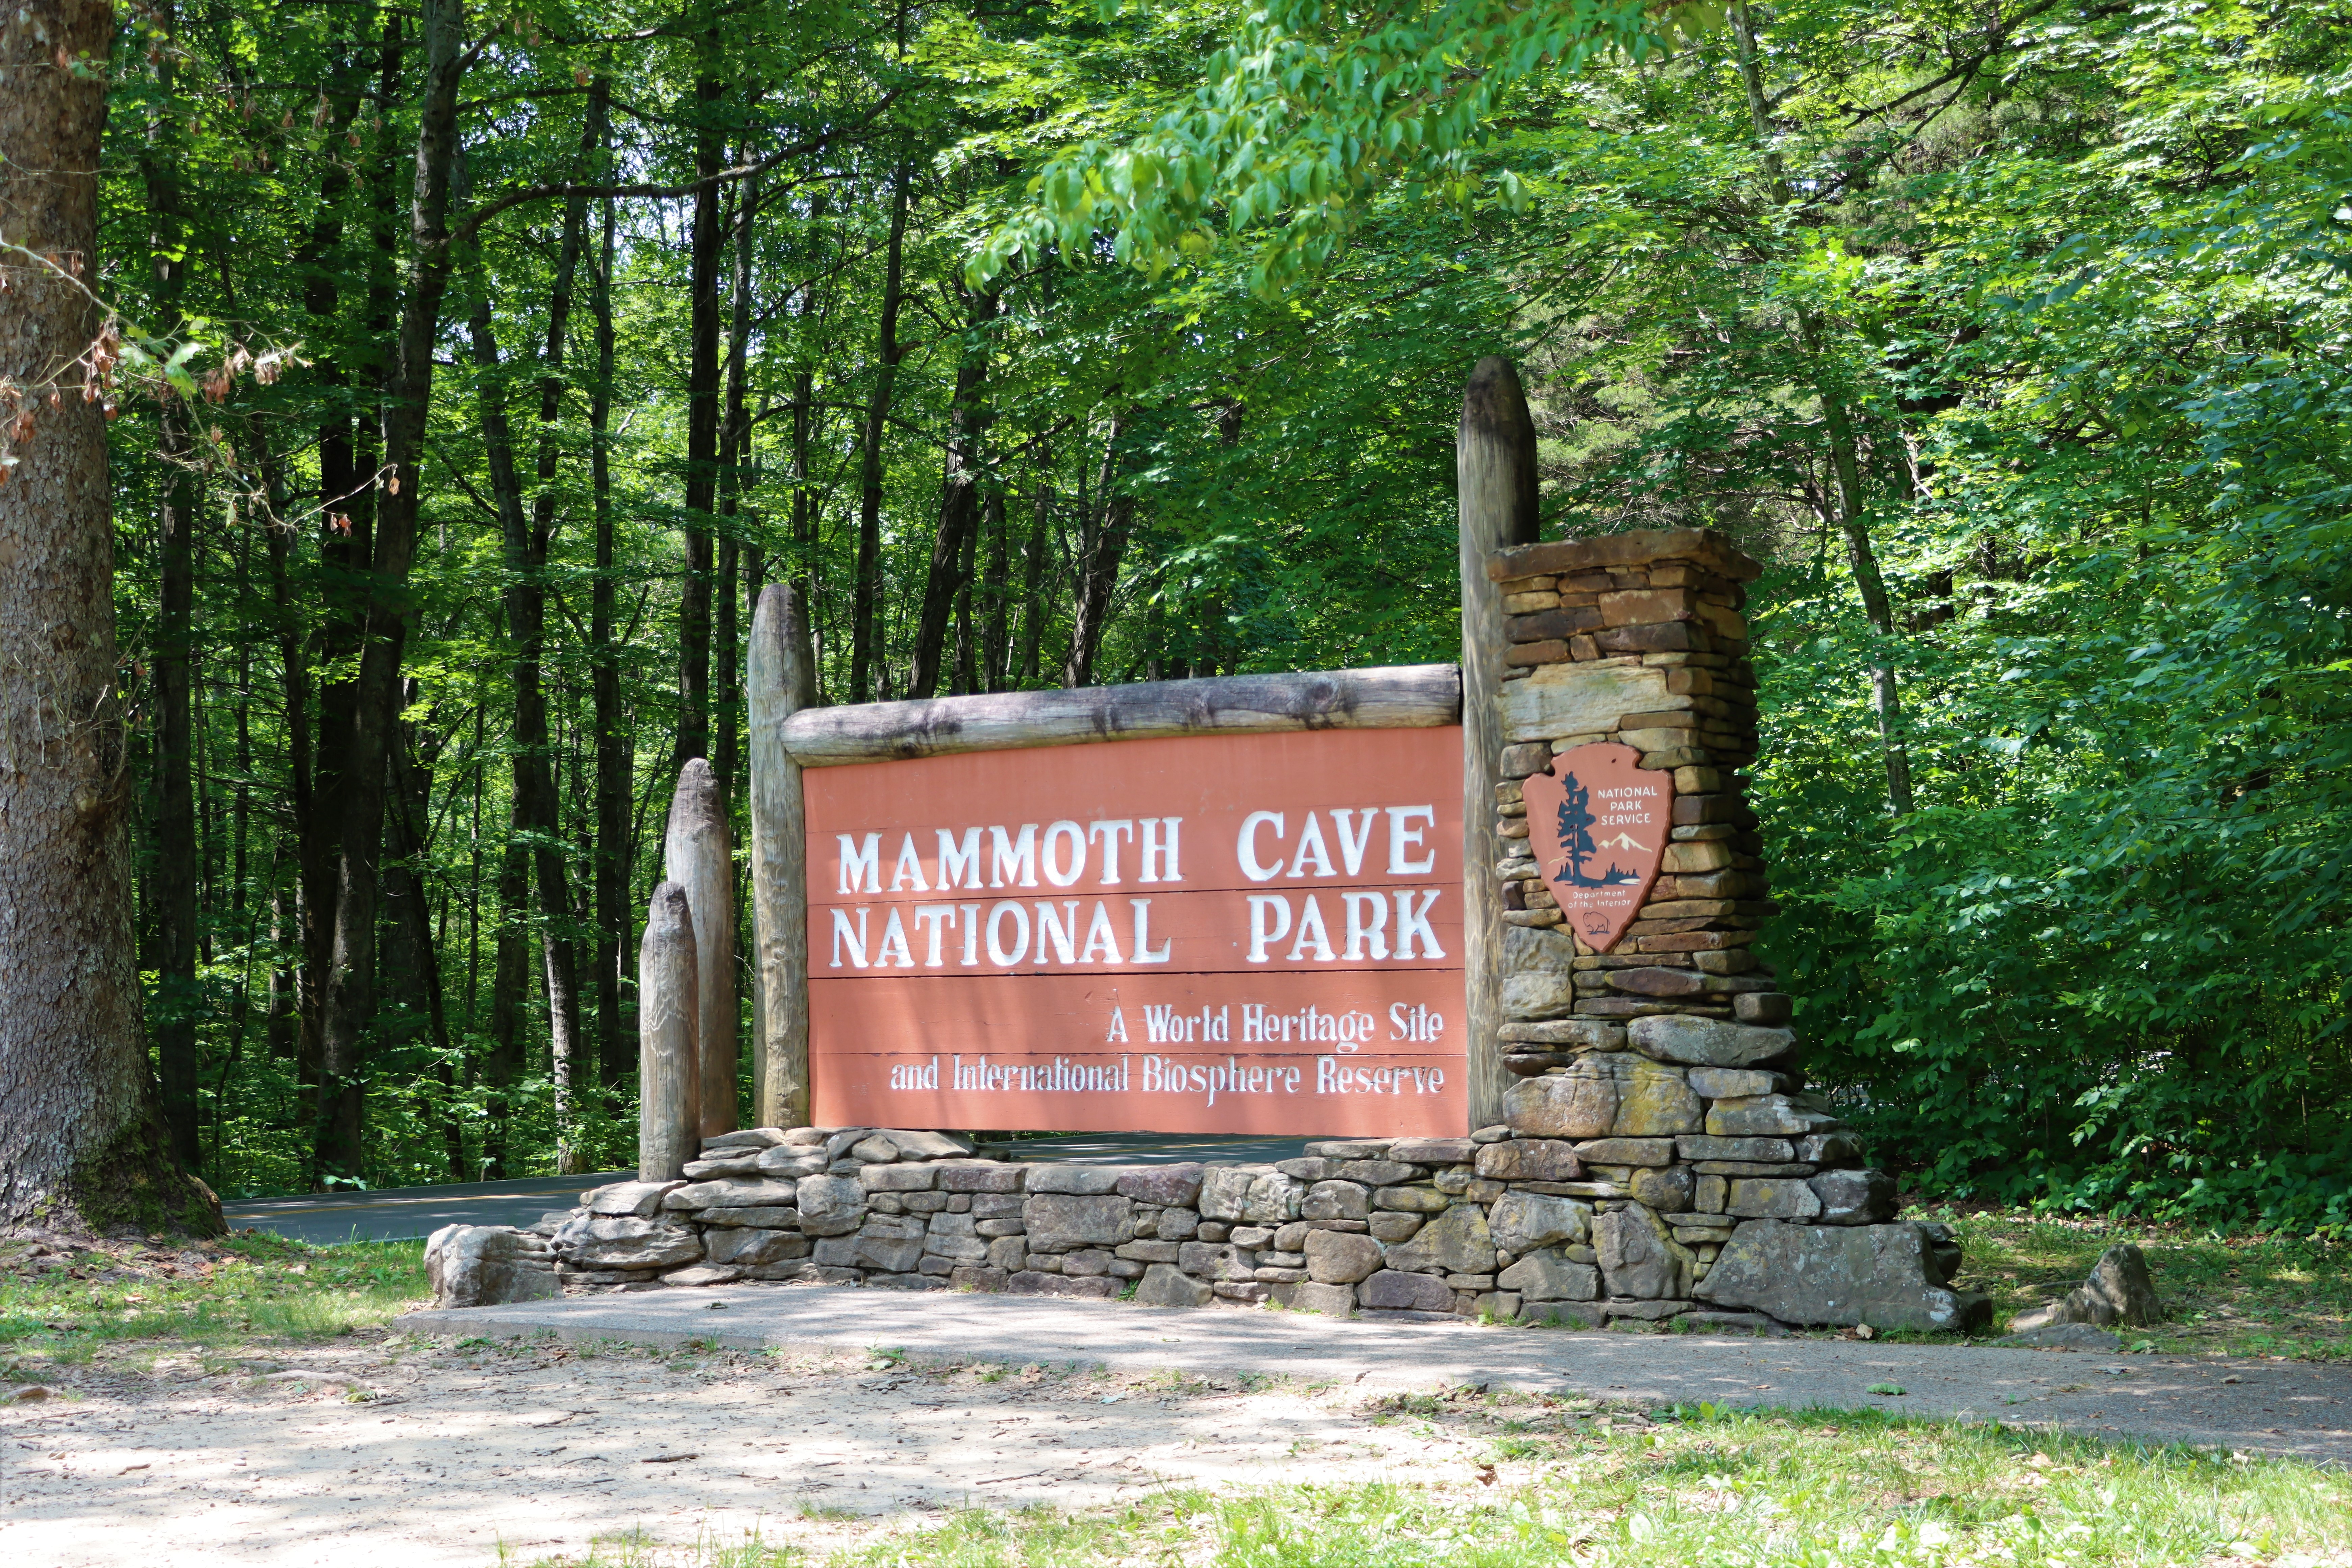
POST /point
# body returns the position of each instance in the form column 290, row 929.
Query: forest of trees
column 478, row 364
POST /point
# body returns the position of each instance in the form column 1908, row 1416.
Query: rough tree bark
column 705, row 240
column 699, row 858
column 1103, row 546
column 612, row 752
column 82, row 1142
column 781, row 684
column 958, row 498
column 670, row 1019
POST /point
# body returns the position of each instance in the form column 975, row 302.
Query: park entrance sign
column 1237, row 933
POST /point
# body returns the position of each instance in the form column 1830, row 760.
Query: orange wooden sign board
column 1216, row 934
column 1598, row 821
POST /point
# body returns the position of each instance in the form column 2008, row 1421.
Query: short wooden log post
column 668, row 1017
column 779, row 684
column 696, row 859
column 1494, row 468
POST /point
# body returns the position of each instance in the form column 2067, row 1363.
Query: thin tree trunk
column 350, row 990
column 865, row 651
column 82, row 1142
column 411, row 936
column 1107, row 527
column 995, row 638
column 734, row 446
column 958, row 498
column 1852, row 505
column 1032, row 573
column 705, row 240
column 612, row 854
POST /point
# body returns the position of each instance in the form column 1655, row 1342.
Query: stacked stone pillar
column 1667, row 1062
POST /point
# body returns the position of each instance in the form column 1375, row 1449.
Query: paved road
column 404, row 1214
column 2301, row 1408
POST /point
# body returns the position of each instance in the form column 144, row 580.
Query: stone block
column 754, row 1219
column 1580, row 699
column 1654, row 1102
column 1243, row 1292
column 1251, row 1236
column 1714, row 1193
column 875, row 1150
column 639, row 1200
column 1167, row 1286
column 1752, row 1198
column 1852, row 1197
column 1310, row 1168
column 730, row 1163
column 1215, row 1260
column 1627, row 1152
column 1178, row 1224
column 732, row 1192
column 831, row 1205
column 1524, row 1222
column 980, row 1176
column 1579, row 1103
column 1086, row 1261
column 1074, row 1181
column 1737, row 1083
column 1830, row 1149
column 1062, row 1222
column 754, row 1246
column 925, row 1145
column 1171, row 1186
column 790, row 1162
column 1009, row 1252
column 752, row 1138
column 992, row 1228
column 1411, row 1200
column 1348, row 1149
column 1693, row 1041
column 1151, row 1251
column 1638, row 1258
column 1666, row 1189
column 1654, row 982
column 1392, row 1290
column 1336, row 1200
column 484, row 1265
column 837, row 1252
column 1883, row 1274
column 1331, row 1301
column 1548, row 1276
column 1762, row 1168
column 1394, row 1226
column 1432, row 1151
column 1380, row 1173
column 1031, row 1282
column 1537, row 967
column 966, row 1276
column 1336, row 1258
column 1458, row 1241
column 1253, row 1194
column 996, row 1205
column 1762, row 1007
column 1530, row 1160
column 1698, row 1146
column 703, row 1273
column 623, row 1241
column 1561, row 1315
column 1590, row 1033
column 1766, row 1116
column 898, row 1178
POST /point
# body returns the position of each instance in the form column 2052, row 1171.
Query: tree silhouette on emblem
column 1576, row 820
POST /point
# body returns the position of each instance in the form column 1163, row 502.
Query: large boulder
column 482, row 1265
column 1521, row 1222
column 1550, row 1276
column 1456, row 1242
column 1888, row 1275
column 1639, row 1258
column 1340, row 1258
column 830, row 1205
column 623, row 1241
column 1165, row 1284
column 1063, row 1222
column 2120, row 1290
column 1250, row 1194
column 1694, row 1041
column 1395, row 1290
column 1579, row 1103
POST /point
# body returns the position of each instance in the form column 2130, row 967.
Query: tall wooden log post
column 1495, row 469
column 780, row 684
column 669, row 1029
column 696, row 857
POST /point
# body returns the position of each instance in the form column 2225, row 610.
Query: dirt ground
column 385, row 1449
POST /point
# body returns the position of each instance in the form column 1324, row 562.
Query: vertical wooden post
column 1495, row 469
column 780, row 684
column 668, row 1039
column 696, row 857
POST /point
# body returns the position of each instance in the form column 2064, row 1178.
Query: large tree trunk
column 411, row 955
column 866, row 630
column 82, row 1142
column 351, row 987
column 959, row 499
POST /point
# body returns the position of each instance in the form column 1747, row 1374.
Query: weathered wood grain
column 669, row 1025
column 1395, row 697
column 777, row 685
column 1495, row 467
column 698, row 857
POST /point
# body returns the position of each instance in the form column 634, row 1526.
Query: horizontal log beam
column 1400, row 697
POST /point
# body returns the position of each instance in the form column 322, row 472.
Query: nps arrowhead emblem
column 1598, row 821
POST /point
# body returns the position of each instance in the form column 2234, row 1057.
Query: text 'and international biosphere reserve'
column 1244, row 934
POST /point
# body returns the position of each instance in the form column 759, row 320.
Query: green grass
column 2246, row 1294
column 1543, row 1480
column 59, row 1311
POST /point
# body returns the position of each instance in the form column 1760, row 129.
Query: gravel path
column 2300, row 1408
